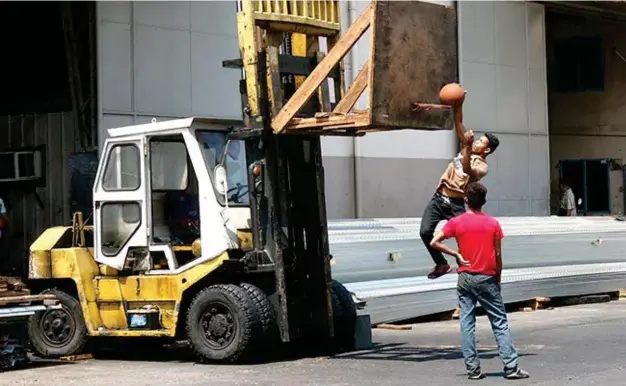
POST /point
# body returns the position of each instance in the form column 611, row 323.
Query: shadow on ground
column 402, row 352
column 178, row 352
column 37, row 363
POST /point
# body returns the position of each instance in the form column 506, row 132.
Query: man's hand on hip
column 460, row 260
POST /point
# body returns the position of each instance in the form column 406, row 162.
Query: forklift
column 215, row 232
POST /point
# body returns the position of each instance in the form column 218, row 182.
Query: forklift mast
column 286, row 99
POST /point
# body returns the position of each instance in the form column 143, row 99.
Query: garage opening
column 589, row 180
column 586, row 69
column 47, row 116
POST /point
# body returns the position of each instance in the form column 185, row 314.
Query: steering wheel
column 238, row 191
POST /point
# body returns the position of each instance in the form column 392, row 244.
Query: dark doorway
column 590, row 182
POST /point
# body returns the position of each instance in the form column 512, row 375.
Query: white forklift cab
column 148, row 171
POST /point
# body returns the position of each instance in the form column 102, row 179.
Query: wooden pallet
column 12, row 286
column 535, row 304
column 47, row 299
column 14, row 292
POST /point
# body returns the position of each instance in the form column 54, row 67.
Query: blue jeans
column 485, row 290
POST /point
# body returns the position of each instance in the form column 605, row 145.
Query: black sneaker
column 478, row 374
column 517, row 374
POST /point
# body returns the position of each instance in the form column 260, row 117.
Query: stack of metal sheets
column 384, row 262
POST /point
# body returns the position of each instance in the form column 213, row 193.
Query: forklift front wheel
column 58, row 332
column 344, row 316
column 221, row 322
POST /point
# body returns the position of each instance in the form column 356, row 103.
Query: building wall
column 163, row 60
column 591, row 124
column 396, row 172
column 58, row 132
column 503, row 67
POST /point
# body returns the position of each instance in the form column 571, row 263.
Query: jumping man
column 468, row 166
column 479, row 238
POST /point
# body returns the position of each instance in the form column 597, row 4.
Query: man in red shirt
column 478, row 237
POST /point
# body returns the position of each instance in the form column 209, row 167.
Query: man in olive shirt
column 470, row 165
column 567, row 205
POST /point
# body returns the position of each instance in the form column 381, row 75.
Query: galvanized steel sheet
column 378, row 249
column 384, row 262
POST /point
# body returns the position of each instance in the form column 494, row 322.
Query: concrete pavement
column 579, row 345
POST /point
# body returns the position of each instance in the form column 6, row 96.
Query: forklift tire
column 58, row 333
column 222, row 324
column 267, row 315
column 344, row 316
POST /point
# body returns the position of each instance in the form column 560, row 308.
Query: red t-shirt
column 475, row 234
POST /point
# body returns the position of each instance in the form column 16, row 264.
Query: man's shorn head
column 485, row 145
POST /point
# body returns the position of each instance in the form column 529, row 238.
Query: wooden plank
column 354, row 92
column 274, row 84
column 329, row 122
column 396, row 327
column 414, row 54
column 25, row 299
column 313, row 81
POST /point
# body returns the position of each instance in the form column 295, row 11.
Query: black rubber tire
column 46, row 349
column 268, row 337
column 344, row 316
column 345, row 299
column 246, row 323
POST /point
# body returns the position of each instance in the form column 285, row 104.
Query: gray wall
column 163, row 60
column 503, row 67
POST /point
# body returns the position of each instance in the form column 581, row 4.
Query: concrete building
column 138, row 61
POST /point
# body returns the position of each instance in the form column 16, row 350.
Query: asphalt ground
column 576, row 345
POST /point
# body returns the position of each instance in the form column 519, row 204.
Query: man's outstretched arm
column 458, row 122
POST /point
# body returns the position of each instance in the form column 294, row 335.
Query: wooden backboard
column 414, row 53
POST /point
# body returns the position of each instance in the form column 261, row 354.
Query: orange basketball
column 452, row 94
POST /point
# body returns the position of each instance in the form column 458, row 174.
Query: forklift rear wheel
column 222, row 324
column 60, row 332
column 344, row 316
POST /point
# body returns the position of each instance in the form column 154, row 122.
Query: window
column 119, row 223
column 212, row 144
column 168, row 165
column 579, row 64
column 123, row 168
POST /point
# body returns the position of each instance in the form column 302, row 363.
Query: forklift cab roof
column 175, row 125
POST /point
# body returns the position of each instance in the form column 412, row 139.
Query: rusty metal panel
column 414, row 55
column 57, row 132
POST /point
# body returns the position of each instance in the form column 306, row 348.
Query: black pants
column 439, row 208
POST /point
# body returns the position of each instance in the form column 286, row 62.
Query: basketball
column 452, row 94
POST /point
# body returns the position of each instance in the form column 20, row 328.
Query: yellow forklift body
column 104, row 296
